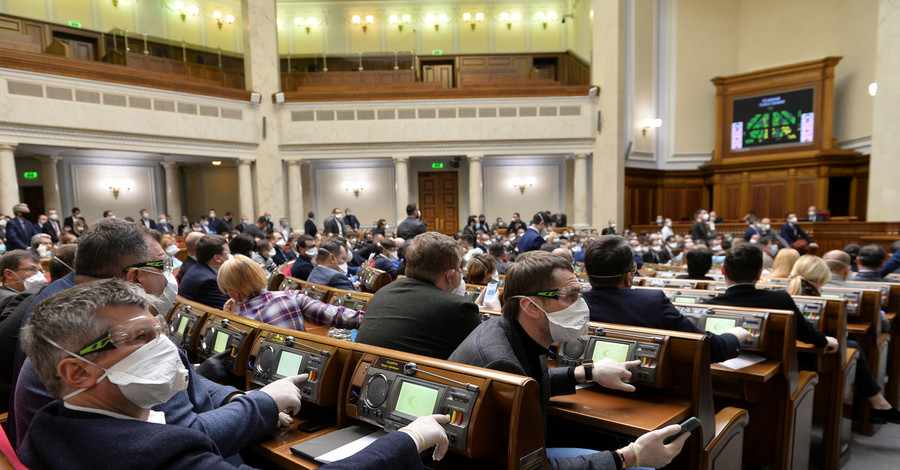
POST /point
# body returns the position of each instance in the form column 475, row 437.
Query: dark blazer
column 817, row 218
column 49, row 230
column 226, row 226
column 385, row 265
column 658, row 257
column 329, row 277
column 149, row 223
column 188, row 263
column 200, row 285
column 871, row 276
column 496, row 344
column 418, row 317
column 792, row 233
column 70, row 222
column 301, row 268
column 310, row 228
column 699, row 231
column 530, row 240
column 558, row 220
column 652, row 309
column 410, row 227
column 515, row 226
column 18, row 237
column 351, row 221
column 746, row 295
column 165, row 228
column 214, row 225
column 332, row 226
column 279, row 257
column 891, row 265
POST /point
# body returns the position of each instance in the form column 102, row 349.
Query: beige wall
column 501, row 199
column 212, row 188
column 375, row 201
column 644, row 72
column 92, row 194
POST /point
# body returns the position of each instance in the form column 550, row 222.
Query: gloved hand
column 284, row 420
column 741, row 334
column 832, row 345
column 427, row 432
column 286, row 393
column 649, row 450
column 611, row 374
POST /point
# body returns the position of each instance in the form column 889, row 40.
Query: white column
column 580, row 188
column 245, row 190
column 9, row 185
column 883, row 189
column 401, row 176
column 50, row 179
column 173, row 190
column 608, row 73
column 262, row 76
column 295, row 195
column 476, row 188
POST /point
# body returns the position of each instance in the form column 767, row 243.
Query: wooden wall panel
column 732, row 203
column 805, row 196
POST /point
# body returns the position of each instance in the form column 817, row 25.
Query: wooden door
column 438, row 73
column 439, row 200
column 79, row 47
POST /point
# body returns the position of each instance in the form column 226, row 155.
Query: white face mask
column 612, row 225
column 393, row 255
column 280, row 243
column 271, row 252
column 673, row 245
column 35, row 280
column 659, row 221
column 460, row 288
column 338, row 216
column 812, row 214
column 576, row 249
column 2, row 222
column 172, row 250
column 43, row 251
column 792, row 220
column 766, row 227
column 148, row 376
column 705, row 216
column 569, row 323
column 312, row 252
column 161, row 221
column 669, row 224
column 145, row 215
column 212, row 215
column 54, row 217
column 166, row 300
column 343, row 268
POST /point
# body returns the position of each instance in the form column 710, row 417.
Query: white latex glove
column 427, row 432
column 493, row 304
column 832, row 345
column 651, row 452
column 286, row 393
column 741, row 334
column 284, row 420
column 613, row 375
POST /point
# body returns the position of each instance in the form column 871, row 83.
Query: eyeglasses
column 31, row 271
column 134, row 332
column 570, row 294
column 164, row 265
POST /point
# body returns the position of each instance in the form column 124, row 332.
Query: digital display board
column 416, row 400
column 773, row 119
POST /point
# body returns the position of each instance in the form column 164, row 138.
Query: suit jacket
column 188, row 263
column 351, row 221
column 329, row 277
column 746, row 295
column 515, row 226
column 69, row 222
column 418, row 317
column 496, row 344
column 214, row 225
column 530, row 240
column 290, row 254
column 301, row 268
column 658, row 257
column 333, row 225
column 310, row 228
column 699, row 231
column 164, row 228
column 226, row 226
column 791, row 233
column 817, row 218
column 891, row 265
column 385, row 265
column 49, row 229
column 652, row 309
column 149, row 223
column 871, row 276
column 200, row 285
column 279, row 257
column 558, row 220
column 410, row 227
column 17, row 236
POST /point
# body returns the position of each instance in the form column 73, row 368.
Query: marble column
column 295, row 195
column 173, row 190
column 883, row 189
column 262, row 76
column 401, row 192
column 50, row 179
column 245, row 190
column 580, row 186
column 9, row 184
column 476, row 188
column 608, row 170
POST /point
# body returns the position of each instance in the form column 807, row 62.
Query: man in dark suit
column 213, row 222
column 538, row 284
column 278, row 242
column 309, row 227
column 69, row 223
column 334, row 225
column 51, row 226
column 163, row 225
column 869, row 261
column 146, row 221
column 411, row 226
column 303, row 265
column 199, row 284
column 226, row 225
column 331, row 269
column 515, row 224
column 19, row 230
column 532, row 239
column 350, row 220
column 610, row 266
column 190, row 246
column 699, row 260
column 791, row 231
column 742, row 268
column 425, row 312
column 894, row 262
column 812, row 215
column 700, row 229
column 559, row 219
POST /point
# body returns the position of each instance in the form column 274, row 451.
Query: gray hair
column 69, row 318
column 12, row 259
column 36, row 239
column 111, row 245
column 19, row 208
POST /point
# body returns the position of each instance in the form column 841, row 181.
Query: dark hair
column 607, row 259
column 853, row 250
column 331, row 246
column 480, row 266
column 871, row 256
column 532, row 272
column 743, row 263
column 310, row 214
column 540, row 217
column 387, row 244
column 12, row 260
column 429, row 255
column 111, row 245
column 467, row 239
column 549, row 247
column 62, row 260
column 699, row 260
column 410, row 209
column 263, row 246
column 75, row 209
column 496, row 250
column 209, row 246
column 262, row 219
column 300, row 246
column 242, row 244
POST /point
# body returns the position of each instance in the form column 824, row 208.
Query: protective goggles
column 135, row 332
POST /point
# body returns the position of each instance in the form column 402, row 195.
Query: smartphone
column 317, row 424
column 491, row 293
column 687, row 426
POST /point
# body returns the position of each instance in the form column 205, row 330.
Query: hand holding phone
column 687, row 426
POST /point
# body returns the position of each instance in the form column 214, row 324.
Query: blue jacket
column 652, row 309
column 892, row 264
column 385, row 265
column 792, row 233
column 301, row 268
column 530, row 240
column 199, row 285
column 17, row 236
column 329, row 277
column 870, row 276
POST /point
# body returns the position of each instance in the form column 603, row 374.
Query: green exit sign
column 30, row 175
column 437, row 52
column 74, row 24
column 437, row 165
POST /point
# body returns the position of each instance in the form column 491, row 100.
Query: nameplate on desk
column 339, row 444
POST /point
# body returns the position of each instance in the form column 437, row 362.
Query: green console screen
column 686, row 300
column 289, row 364
column 221, row 342
column 615, row 351
column 416, row 400
column 719, row 325
column 182, row 324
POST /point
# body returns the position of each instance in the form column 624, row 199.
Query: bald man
column 190, row 245
column 839, row 263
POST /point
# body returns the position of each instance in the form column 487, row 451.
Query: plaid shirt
column 289, row 309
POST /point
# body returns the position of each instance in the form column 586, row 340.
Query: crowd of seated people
column 227, row 266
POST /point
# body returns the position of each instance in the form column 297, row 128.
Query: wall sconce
column 308, row 24
column 216, row 162
column 509, row 19
column 115, row 187
column 523, row 183
column 650, row 122
column 229, row 19
column 873, row 88
column 400, row 21
column 540, row 17
column 479, row 18
column 365, row 26
column 115, row 3
column 184, row 11
column 355, row 187
column 436, row 21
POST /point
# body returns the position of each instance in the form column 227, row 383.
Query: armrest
column 725, row 450
column 805, row 380
column 852, row 354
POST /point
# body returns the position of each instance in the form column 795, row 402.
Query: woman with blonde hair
column 244, row 281
column 808, row 275
column 482, row 270
column 784, row 262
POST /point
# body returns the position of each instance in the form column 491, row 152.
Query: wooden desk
column 631, row 415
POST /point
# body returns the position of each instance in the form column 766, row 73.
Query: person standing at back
column 411, row 226
column 533, row 238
